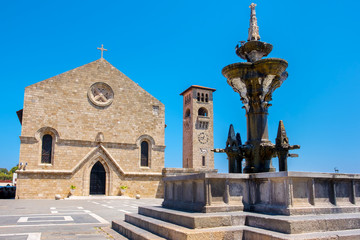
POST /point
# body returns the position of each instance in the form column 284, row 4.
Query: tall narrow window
column 187, row 113
column 198, row 97
column 203, row 161
column 206, row 97
column 46, row 149
column 144, row 154
column 202, row 97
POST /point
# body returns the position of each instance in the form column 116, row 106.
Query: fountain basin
column 261, row 68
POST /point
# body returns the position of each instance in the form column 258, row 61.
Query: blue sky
column 166, row 46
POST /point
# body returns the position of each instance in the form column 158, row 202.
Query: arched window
column 198, row 97
column 203, row 112
column 46, row 149
column 187, row 113
column 144, row 162
column 206, row 97
column 202, row 97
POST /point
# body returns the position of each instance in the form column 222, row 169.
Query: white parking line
column 96, row 202
column 46, row 225
column 31, row 236
column 97, row 217
column 80, row 207
column 134, row 206
column 26, row 219
column 52, row 208
column 124, row 211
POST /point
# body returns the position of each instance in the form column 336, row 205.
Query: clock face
column 101, row 94
column 203, row 138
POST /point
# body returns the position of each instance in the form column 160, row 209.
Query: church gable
column 90, row 99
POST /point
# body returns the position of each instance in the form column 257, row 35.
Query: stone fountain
column 255, row 81
column 261, row 203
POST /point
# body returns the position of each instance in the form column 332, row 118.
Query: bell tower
column 198, row 134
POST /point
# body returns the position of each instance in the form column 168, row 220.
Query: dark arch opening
column 97, row 179
column 203, row 112
column 46, row 149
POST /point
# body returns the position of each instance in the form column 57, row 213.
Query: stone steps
column 162, row 223
column 133, row 232
column 114, row 235
column 304, row 224
column 174, row 231
column 194, row 220
column 251, row 233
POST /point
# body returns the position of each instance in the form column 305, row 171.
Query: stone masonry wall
column 84, row 133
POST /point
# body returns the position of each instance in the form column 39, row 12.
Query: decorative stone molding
column 101, row 94
column 47, row 130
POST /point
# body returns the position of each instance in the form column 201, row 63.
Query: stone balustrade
column 284, row 193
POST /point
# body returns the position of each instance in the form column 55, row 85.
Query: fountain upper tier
column 255, row 82
column 253, row 51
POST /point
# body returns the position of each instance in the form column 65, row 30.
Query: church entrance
column 97, row 179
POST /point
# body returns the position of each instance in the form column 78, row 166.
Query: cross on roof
column 102, row 49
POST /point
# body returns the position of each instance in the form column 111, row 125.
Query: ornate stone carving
column 101, row 94
column 253, row 29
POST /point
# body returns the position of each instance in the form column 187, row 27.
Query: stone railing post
column 227, row 192
column 207, row 191
column 353, row 193
column 311, row 186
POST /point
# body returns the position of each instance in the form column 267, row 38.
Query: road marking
column 52, row 208
column 31, row 236
column 96, row 202
column 47, row 225
column 100, row 219
column 34, row 236
column 124, row 211
column 48, row 214
column 134, row 206
column 26, row 219
column 80, row 207
column 70, row 211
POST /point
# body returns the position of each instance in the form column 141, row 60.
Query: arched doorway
column 97, row 179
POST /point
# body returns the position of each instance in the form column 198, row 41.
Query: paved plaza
column 65, row 219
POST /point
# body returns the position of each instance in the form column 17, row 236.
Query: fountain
column 255, row 81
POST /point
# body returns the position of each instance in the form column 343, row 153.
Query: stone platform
column 282, row 205
column 160, row 223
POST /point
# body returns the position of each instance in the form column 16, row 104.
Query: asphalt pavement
column 65, row 219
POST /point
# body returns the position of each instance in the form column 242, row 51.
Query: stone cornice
column 99, row 150
column 84, row 143
column 69, row 172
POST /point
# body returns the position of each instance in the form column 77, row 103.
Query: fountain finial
column 253, row 50
column 253, row 29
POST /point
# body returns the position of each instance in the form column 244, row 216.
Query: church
column 89, row 131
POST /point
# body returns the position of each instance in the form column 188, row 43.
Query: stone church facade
column 93, row 128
